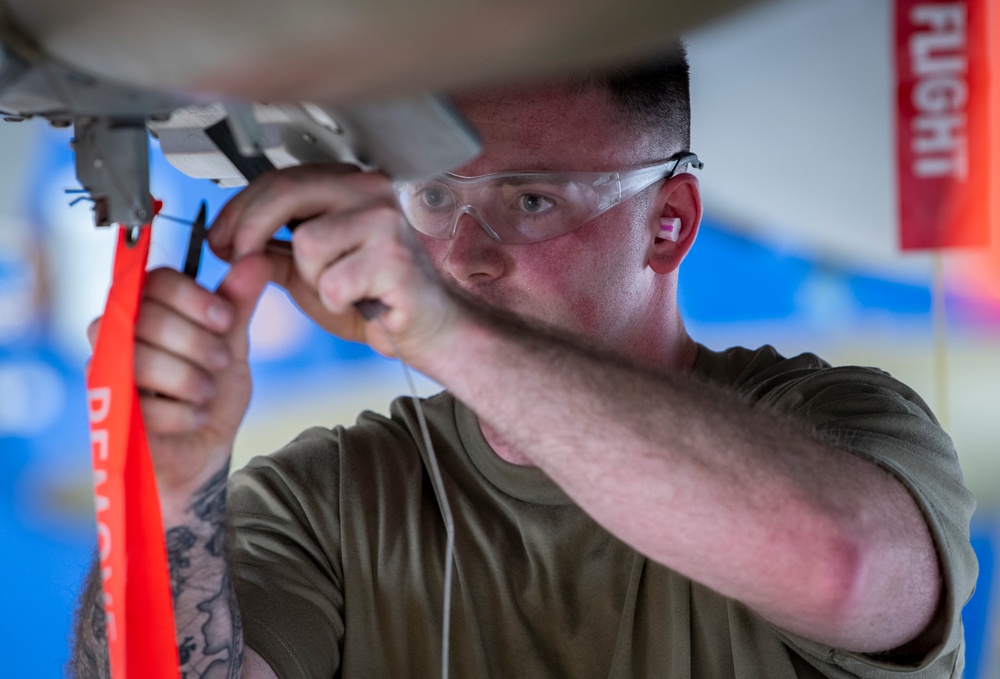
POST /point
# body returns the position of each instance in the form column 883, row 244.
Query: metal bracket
column 112, row 164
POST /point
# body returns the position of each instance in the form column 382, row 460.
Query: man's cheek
column 565, row 301
column 587, row 317
column 435, row 249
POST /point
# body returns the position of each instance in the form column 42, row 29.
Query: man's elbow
column 875, row 595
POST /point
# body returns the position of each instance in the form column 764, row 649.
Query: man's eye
column 434, row 197
column 534, row 203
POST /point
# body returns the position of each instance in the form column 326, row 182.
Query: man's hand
column 192, row 373
column 194, row 387
column 351, row 243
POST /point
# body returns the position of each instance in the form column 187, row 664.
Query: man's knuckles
column 159, row 327
column 176, row 291
column 276, row 198
column 165, row 417
column 321, row 243
column 159, row 372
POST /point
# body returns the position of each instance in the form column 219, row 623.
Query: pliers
column 192, row 262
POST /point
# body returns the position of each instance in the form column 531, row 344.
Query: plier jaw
column 192, row 261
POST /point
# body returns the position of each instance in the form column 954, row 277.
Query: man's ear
column 674, row 222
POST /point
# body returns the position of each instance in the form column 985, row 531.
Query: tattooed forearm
column 179, row 541
column 209, row 634
column 209, row 506
column 89, row 656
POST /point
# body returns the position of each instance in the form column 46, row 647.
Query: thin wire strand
column 177, row 220
column 438, row 484
column 938, row 311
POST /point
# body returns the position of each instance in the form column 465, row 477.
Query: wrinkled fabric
column 338, row 547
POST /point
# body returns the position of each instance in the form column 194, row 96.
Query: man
column 627, row 502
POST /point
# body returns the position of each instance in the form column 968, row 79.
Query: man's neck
column 504, row 450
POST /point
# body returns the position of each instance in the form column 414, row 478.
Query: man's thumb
column 242, row 287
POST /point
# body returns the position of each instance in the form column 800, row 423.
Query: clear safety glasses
column 526, row 207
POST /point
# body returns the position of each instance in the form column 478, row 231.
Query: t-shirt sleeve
column 285, row 557
column 877, row 417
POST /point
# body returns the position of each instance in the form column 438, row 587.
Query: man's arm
column 88, row 658
column 741, row 499
column 192, row 373
column 209, row 636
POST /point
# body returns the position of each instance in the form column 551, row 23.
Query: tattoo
column 210, row 506
column 89, row 654
column 209, row 630
column 185, row 648
column 208, row 621
column 98, row 616
column 235, row 671
column 220, row 647
column 180, row 540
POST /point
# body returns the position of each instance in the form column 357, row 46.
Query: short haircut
column 651, row 96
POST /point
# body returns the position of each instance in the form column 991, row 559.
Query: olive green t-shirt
column 338, row 550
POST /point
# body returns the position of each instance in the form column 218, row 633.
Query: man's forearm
column 678, row 468
column 209, row 635
column 89, row 656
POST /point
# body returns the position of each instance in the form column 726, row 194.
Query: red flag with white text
column 943, row 123
column 137, row 599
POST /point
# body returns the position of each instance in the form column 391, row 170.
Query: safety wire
column 938, row 312
column 438, row 485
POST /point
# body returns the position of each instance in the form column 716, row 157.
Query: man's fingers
column 165, row 416
column 242, row 288
column 161, row 326
column 350, row 244
column 249, row 220
column 363, row 274
column 162, row 373
column 176, row 291
column 320, row 242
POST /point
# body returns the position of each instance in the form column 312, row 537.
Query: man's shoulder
column 765, row 375
column 321, row 450
column 738, row 367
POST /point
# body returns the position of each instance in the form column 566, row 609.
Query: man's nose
column 474, row 255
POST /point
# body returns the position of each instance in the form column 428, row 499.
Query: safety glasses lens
column 517, row 210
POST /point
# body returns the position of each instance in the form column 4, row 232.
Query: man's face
column 591, row 281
